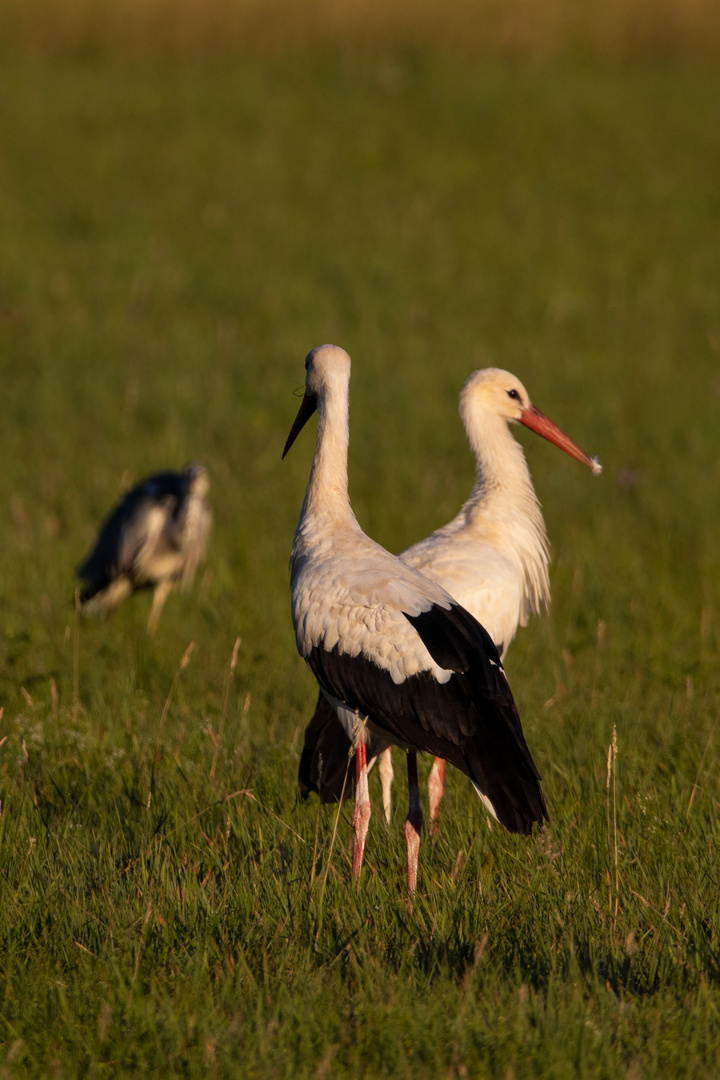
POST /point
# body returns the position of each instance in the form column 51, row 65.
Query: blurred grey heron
column 154, row 538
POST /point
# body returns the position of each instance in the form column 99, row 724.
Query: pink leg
column 413, row 824
column 436, row 781
column 386, row 778
column 361, row 814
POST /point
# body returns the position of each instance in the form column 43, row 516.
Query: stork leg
column 361, row 813
column 436, row 781
column 385, row 770
column 413, row 824
column 162, row 591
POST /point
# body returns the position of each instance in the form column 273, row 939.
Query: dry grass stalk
column 612, row 837
column 76, row 658
column 700, row 766
column 185, row 660
column 226, row 694
column 596, row 672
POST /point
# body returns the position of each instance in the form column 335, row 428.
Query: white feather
column 347, row 592
column 493, row 555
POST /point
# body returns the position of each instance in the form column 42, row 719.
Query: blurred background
column 194, row 193
column 618, row 30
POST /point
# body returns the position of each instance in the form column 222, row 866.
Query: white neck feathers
column 503, row 503
column 326, row 508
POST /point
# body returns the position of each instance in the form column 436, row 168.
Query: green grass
column 528, row 30
column 173, row 242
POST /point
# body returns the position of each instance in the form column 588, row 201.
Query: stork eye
column 513, row 394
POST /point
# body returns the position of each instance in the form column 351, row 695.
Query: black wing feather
column 326, row 762
column 471, row 720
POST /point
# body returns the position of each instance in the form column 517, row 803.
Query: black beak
column 308, row 405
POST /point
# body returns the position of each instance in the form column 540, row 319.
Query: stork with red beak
column 398, row 659
column 492, row 558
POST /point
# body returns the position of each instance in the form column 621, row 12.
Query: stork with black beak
column 397, row 657
column 492, row 557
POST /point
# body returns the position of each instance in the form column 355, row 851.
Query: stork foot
column 436, row 786
column 360, row 823
column 412, row 826
column 361, row 813
column 385, row 770
column 411, row 829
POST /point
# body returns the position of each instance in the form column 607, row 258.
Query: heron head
column 198, row 478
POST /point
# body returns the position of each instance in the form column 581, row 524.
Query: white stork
column 492, row 557
column 399, row 659
column 155, row 538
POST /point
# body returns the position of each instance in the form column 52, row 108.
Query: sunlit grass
column 174, row 241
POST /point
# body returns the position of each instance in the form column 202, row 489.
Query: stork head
column 325, row 366
column 498, row 393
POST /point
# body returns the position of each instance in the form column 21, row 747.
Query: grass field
column 616, row 30
column 174, row 240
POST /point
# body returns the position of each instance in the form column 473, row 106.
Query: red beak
column 537, row 421
column 308, row 405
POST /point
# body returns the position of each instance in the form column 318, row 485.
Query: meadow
column 175, row 237
column 525, row 30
